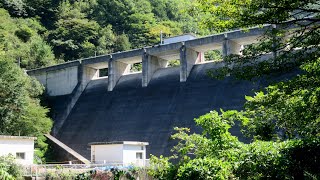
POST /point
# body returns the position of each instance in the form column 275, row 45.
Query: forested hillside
column 39, row 33
column 283, row 120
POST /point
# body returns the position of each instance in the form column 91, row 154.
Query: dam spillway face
column 134, row 113
column 147, row 106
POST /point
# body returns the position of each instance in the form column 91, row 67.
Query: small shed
column 119, row 153
column 21, row 147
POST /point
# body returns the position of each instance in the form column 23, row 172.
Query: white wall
column 123, row 154
column 129, row 154
column 111, row 153
column 12, row 146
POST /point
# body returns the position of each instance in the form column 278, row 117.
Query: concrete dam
column 145, row 106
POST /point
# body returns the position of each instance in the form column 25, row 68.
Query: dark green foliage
column 297, row 159
column 103, row 72
column 304, row 156
column 15, row 7
column 121, row 43
column 21, row 40
column 84, row 28
column 20, row 110
column 23, row 34
column 9, row 169
column 216, row 154
column 203, row 169
column 285, row 115
column 136, row 67
column 299, row 95
column 213, row 55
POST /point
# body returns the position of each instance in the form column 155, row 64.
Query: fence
column 42, row 170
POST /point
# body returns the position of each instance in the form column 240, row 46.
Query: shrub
column 206, row 168
column 161, row 168
column 260, row 160
column 9, row 168
column 292, row 159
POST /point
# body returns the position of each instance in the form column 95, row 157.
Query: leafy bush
column 206, row 168
column 9, row 169
column 216, row 154
column 292, row 159
column 261, row 160
column 5, row 175
column 161, row 168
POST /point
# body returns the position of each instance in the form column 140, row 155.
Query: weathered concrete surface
column 63, row 79
column 188, row 57
column 115, row 71
column 150, row 65
column 230, row 47
column 168, row 51
column 133, row 113
column 58, row 82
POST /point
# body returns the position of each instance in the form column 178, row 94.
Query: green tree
column 121, row 43
column 285, row 109
column 114, row 12
column 77, row 37
column 9, row 169
column 20, row 106
column 216, row 154
column 21, row 40
column 15, row 7
column 20, row 109
column 285, row 115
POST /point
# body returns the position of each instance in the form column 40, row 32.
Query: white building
column 21, row 147
column 119, row 153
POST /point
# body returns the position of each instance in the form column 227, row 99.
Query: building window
column 141, row 147
column 20, row 155
column 139, row 155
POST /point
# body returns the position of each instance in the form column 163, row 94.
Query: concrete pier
column 115, row 70
column 230, row 47
column 62, row 79
column 188, row 58
column 150, row 64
